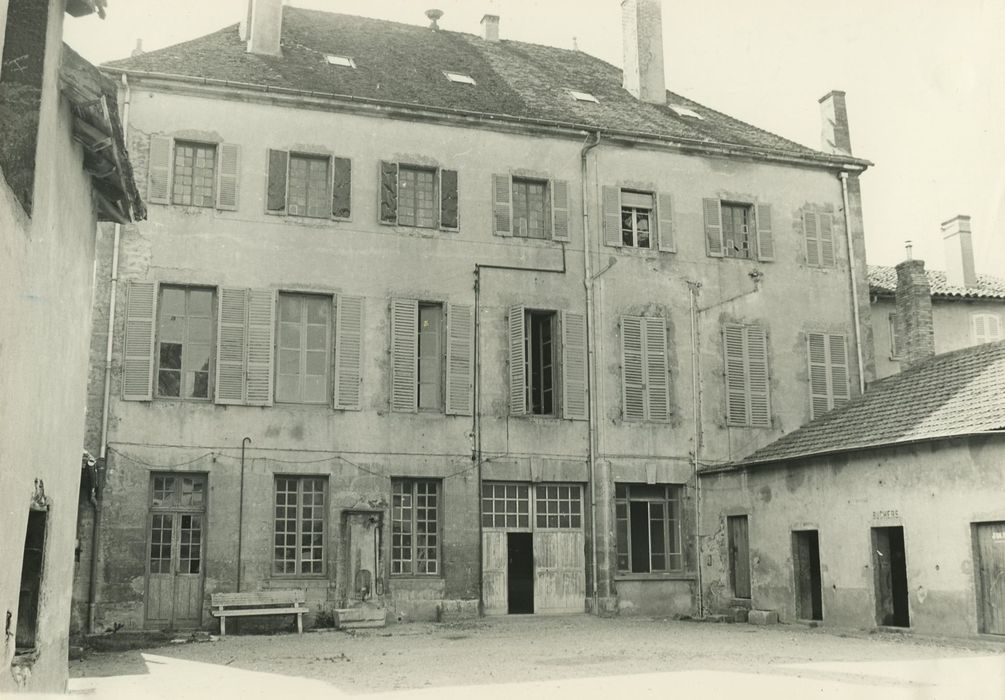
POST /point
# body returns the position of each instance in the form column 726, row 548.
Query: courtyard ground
column 557, row 657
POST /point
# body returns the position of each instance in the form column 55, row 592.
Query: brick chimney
column 264, row 26
column 642, row 39
column 956, row 237
column 490, row 28
column 914, row 311
column 835, row 136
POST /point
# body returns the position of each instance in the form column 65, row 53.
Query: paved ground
column 531, row 657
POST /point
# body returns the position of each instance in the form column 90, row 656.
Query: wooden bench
column 290, row 602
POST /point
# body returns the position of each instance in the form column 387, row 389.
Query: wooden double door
column 989, row 543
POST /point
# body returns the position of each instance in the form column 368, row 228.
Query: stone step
column 355, row 618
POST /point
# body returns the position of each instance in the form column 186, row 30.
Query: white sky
column 925, row 82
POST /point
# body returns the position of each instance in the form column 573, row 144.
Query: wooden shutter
column 664, row 227
column 980, row 328
column 657, row 378
column 448, row 200
column 159, row 169
column 228, row 174
column 840, row 376
column 820, row 400
column 517, row 361
column 404, row 355
column 736, row 375
column 502, row 205
column 138, row 347
column 811, row 226
column 765, row 236
column 757, row 376
column 574, row 383
column 713, row 227
column 387, row 205
column 341, row 188
column 826, row 223
column 260, row 341
column 994, row 327
column 460, row 359
column 276, row 196
column 612, row 216
column 231, row 342
column 633, row 387
column 348, row 353
column 560, row 210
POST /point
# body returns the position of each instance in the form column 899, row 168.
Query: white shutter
column 560, row 210
column 837, row 350
column 757, row 376
column 736, row 375
column 159, row 168
column 574, row 380
column 713, row 227
column 231, row 337
column 633, row 388
column 657, row 379
column 260, row 342
column 228, row 172
column 820, row 399
column 827, row 240
column 502, row 205
column 460, row 359
column 404, row 355
column 994, row 327
column 138, row 346
column 517, row 361
column 348, row 353
column 765, row 236
column 665, row 229
column 812, row 237
column 612, row 216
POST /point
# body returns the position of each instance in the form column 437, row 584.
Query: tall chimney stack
column 914, row 311
column 642, row 39
column 956, row 236
column 835, row 136
column 490, row 28
column 264, row 26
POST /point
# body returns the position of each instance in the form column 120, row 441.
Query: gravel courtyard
column 549, row 657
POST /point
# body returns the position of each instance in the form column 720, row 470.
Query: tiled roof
column 404, row 64
column 958, row 393
column 883, row 281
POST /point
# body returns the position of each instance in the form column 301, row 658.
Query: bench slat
column 279, row 597
column 257, row 611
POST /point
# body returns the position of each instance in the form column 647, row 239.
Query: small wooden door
column 806, row 571
column 990, row 541
column 739, row 556
column 494, row 572
column 559, row 571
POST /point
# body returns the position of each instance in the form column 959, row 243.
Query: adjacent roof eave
column 834, row 162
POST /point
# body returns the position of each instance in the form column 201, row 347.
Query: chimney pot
column 642, row 42
column 138, row 51
column 433, row 16
column 265, row 26
column 958, row 241
column 490, row 28
column 835, row 136
column 914, row 311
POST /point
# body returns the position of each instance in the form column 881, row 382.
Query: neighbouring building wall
column 936, row 491
column 46, row 296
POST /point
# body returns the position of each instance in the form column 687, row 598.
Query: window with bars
column 505, row 505
column 648, row 525
column 304, row 345
column 299, row 544
column 636, row 219
column 415, row 534
column 194, row 174
column 747, row 382
column 829, row 376
column 559, row 506
column 185, row 342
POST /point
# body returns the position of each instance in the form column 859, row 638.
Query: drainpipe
column 694, row 287
column 854, row 283
column 240, row 514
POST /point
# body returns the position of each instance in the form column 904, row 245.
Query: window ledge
column 672, row 576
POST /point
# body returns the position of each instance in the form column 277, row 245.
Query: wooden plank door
column 494, row 572
column 739, row 556
column 991, row 576
column 559, row 571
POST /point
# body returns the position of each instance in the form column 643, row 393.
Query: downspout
column 92, row 592
column 694, row 287
column 591, row 409
column 854, row 282
column 240, row 514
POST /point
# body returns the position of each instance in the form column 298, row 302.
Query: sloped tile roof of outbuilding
column 958, row 393
column 883, row 281
column 403, row 64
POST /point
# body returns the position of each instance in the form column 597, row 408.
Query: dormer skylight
column 459, row 78
column 583, row 96
column 345, row 61
column 685, row 111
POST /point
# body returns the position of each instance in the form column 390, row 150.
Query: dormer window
column 459, row 78
column 345, row 61
column 683, row 111
column 583, row 96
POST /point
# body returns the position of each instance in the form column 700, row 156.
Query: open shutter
column 517, row 361
column 138, row 347
column 404, row 355
column 657, row 378
column 713, row 227
column 230, row 345
column 502, row 205
column 460, row 359
column 348, row 353
column 560, row 210
column 633, row 386
column 736, row 375
column 757, row 376
column 812, row 236
column 574, row 386
column 387, row 205
column 448, row 200
column 665, row 229
column 612, row 216
column 980, row 328
column 994, row 328
column 228, row 173
column 765, row 237
column 840, row 376
column 341, row 189
column 827, row 240
column 159, row 169
column 260, row 341
column 276, row 190
column 819, row 395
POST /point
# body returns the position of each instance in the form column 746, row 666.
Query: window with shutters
column 418, row 196
column 636, row 219
column 194, row 174
column 185, row 342
column 745, row 349
column 648, row 528
column 829, row 375
column 303, row 372
column 531, row 208
column 310, row 185
column 738, row 230
column 644, row 369
column 541, row 354
column 986, row 328
column 818, row 230
column 299, row 534
column 415, row 527
column 895, row 342
column 547, row 363
column 528, row 207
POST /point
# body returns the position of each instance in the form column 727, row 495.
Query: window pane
column 194, row 174
column 308, row 187
column 430, row 356
column 531, row 209
column 185, row 338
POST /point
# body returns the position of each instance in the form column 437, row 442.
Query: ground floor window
column 299, row 525
column 415, row 535
column 32, row 564
column 648, row 528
